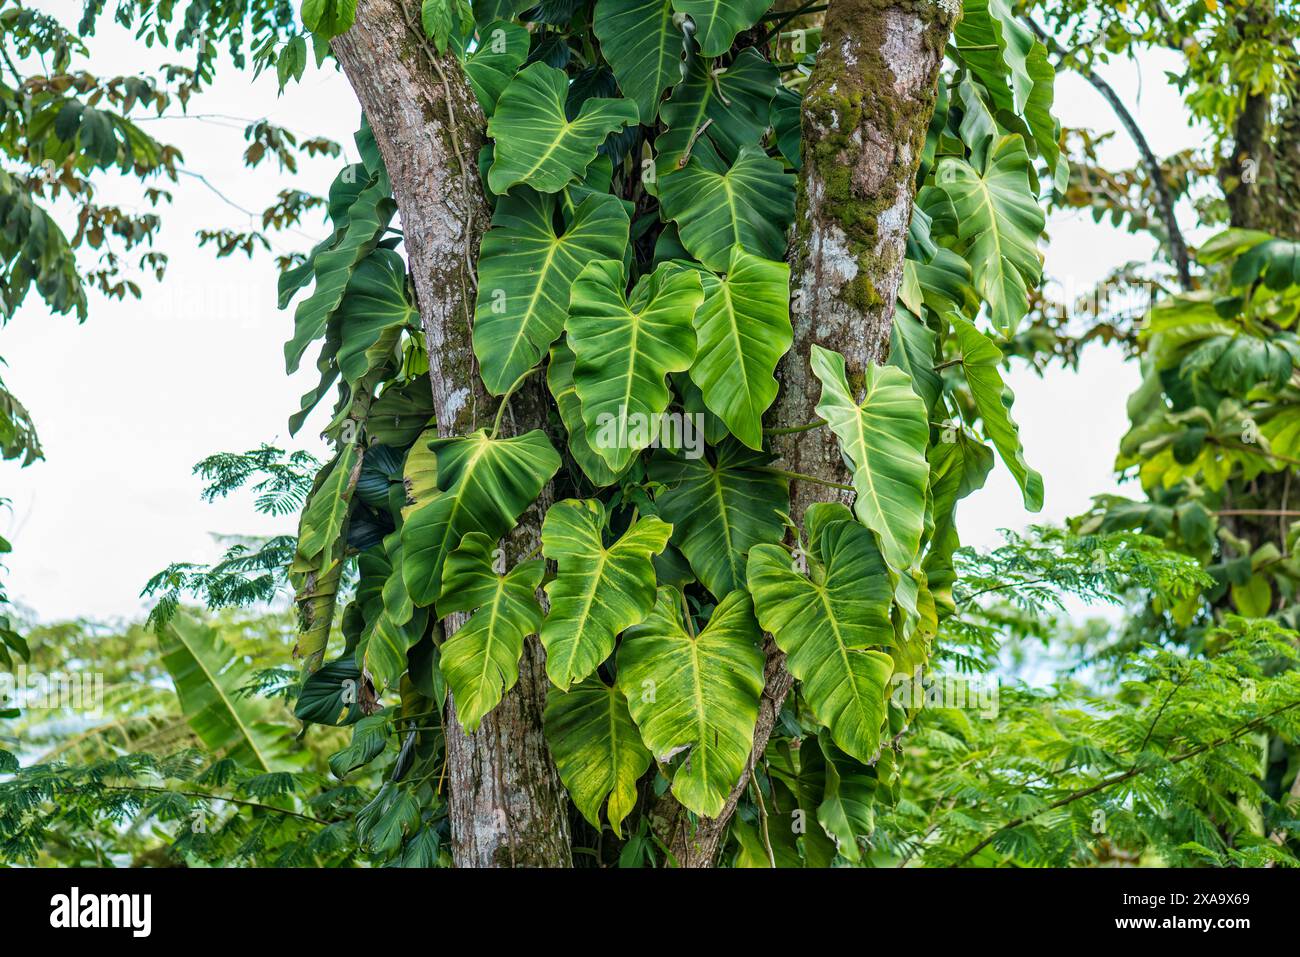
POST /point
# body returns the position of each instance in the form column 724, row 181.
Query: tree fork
column 507, row 805
column 866, row 110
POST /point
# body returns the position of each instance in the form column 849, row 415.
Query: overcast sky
column 128, row 402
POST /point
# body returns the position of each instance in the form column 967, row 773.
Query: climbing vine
column 641, row 166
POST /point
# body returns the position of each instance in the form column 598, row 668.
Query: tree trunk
column 866, row 109
column 507, row 805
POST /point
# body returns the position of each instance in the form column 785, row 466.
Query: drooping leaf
column 697, row 694
column 980, row 360
column 885, row 437
column 720, row 509
column 832, row 624
column 625, row 346
column 392, row 623
column 999, row 221
column 643, row 45
column 597, row 749
column 599, row 590
column 208, row 676
column 536, row 143
column 743, row 328
column 481, row 660
column 484, row 486
column 526, row 273
column 751, row 204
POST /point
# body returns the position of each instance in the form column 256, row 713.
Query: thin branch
column 1164, row 199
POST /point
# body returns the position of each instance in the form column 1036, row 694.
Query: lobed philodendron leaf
column 884, row 437
column 744, row 329
column 596, row 748
column 599, row 591
column 481, row 660
column 526, row 273
column 831, row 624
column 735, row 101
column 980, row 360
column 718, row 21
column 720, row 509
column 625, row 346
column 750, row 204
column 536, row 143
column 484, row 486
column 502, row 49
column 696, row 693
column 644, row 46
column 999, row 221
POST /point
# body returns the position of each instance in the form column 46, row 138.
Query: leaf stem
column 801, row 477
column 505, row 399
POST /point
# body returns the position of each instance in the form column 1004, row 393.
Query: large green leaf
column 846, row 811
column 481, row 660
column 559, row 379
column 743, row 328
column 980, row 360
column 718, row 21
column 735, row 101
column 696, row 693
column 373, row 313
column 720, row 510
column 536, row 143
column 884, row 437
column 209, row 677
column 526, row 273
column 484, row 486
column 596, row 748
column 599, row 591
column 830, row 624
column 625, row 346
column 751, row 204
column 502, row 49
column 999, row 221
column 644, row 47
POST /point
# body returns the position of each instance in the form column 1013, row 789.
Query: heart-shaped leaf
column 599, row 591
column 830, row 624
column 559, row 379
column 884, row 437
column 526, row 273
column 720, row 510
column 481, row 660
column 625, row 346
column 744, row 329
column 751, row 204
column 596, row 748
column 696, row 693
column 484, row 486
column 999, row 221
column 536, row 143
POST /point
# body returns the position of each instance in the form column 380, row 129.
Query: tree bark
column 866, row 110
column 507, row 805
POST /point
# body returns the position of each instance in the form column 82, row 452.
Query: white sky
column 128, row 402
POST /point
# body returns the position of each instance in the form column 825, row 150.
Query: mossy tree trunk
column 507, row 805
column 866, row 110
